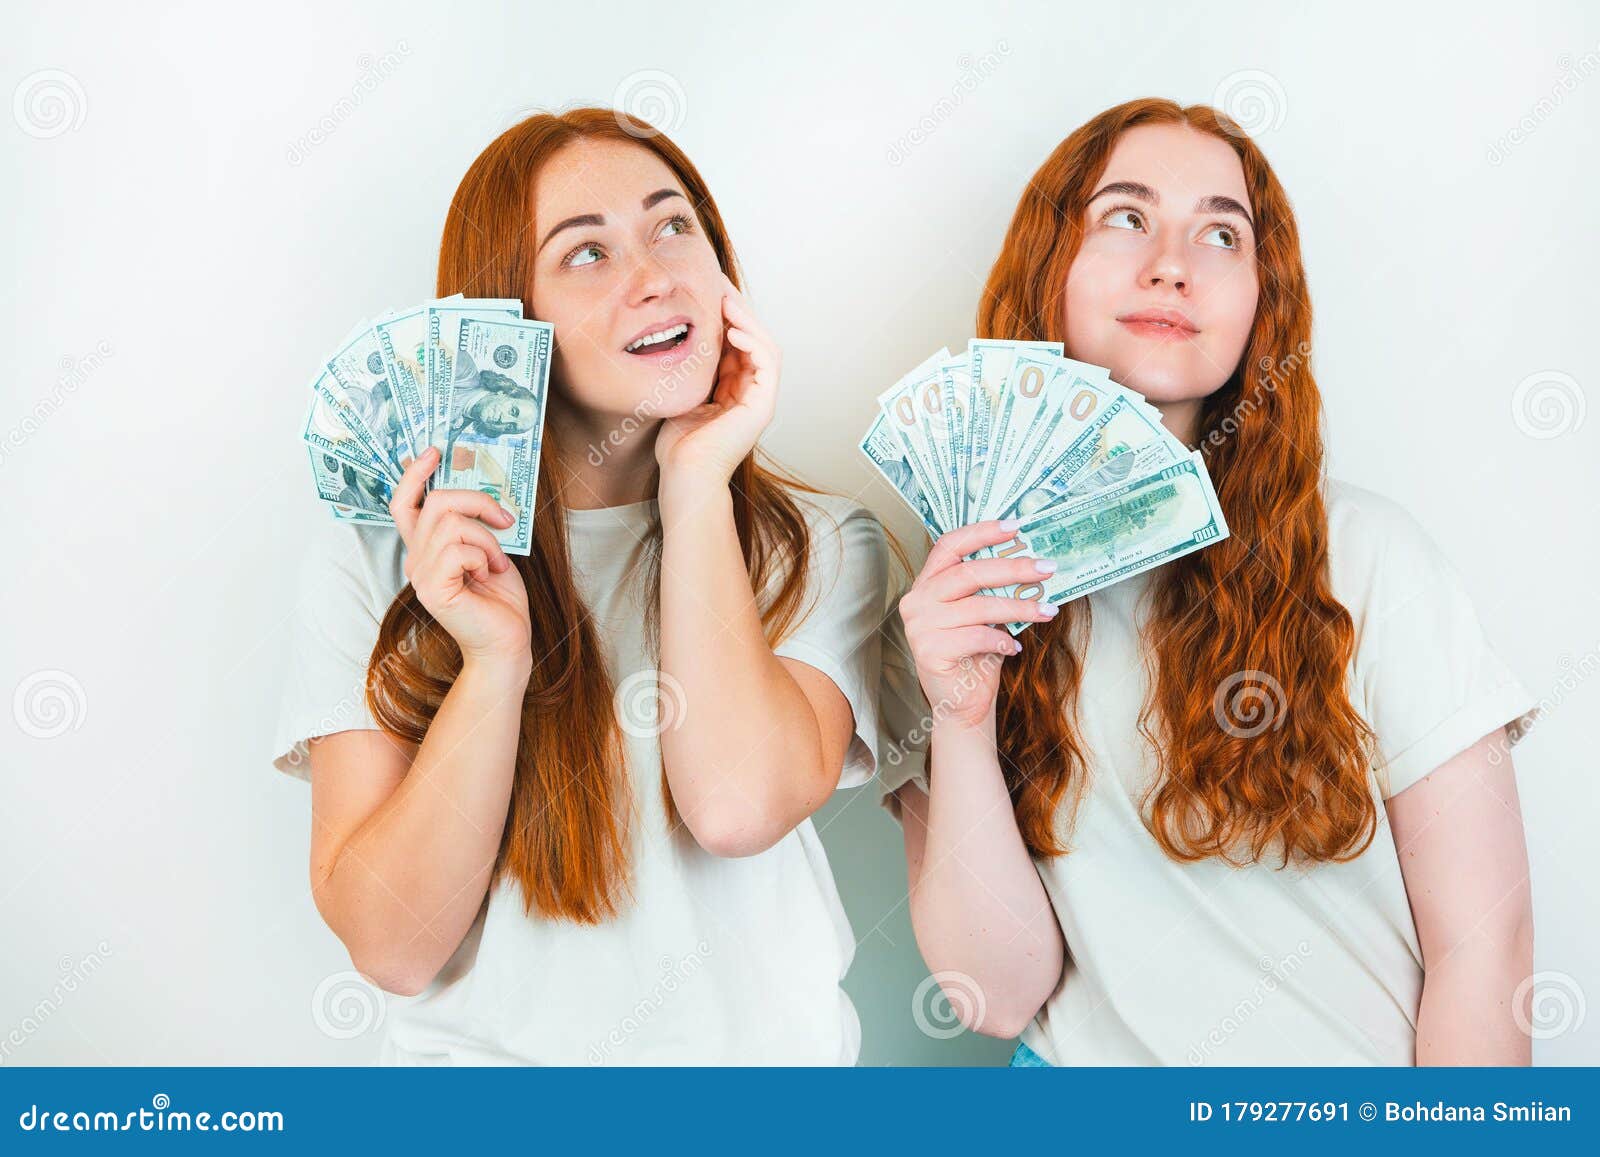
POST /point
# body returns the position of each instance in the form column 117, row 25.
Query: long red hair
column 1259, row 749
column 566, row 834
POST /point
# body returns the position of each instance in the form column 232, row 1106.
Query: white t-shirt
column 720, row 961
column 1203, row 963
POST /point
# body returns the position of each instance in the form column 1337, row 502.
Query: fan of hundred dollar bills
column 468, row 376
column 1012, row 429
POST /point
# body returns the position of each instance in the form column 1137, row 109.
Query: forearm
column 406, row 887
column 978, row 905
column 1468, row 1014
column 745, row 759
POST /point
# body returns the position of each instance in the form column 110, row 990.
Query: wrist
column 501, row 668
column 686, row 495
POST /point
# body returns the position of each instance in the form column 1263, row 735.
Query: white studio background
column 200, row 202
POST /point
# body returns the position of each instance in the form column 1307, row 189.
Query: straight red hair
column 566, row 834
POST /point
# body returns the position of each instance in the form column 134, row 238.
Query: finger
column 956, row 544
column 407, row 494
column 974, row 574
column 459, row 561
column 981, row 641
column 975, row 610
column 473, row 503
column 459, row 528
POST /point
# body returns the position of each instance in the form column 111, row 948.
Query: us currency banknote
column 1018, row 430
column 390, row 390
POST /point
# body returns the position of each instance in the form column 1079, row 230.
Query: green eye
column 675, row 226
column 1233, row 241
column 576, row 257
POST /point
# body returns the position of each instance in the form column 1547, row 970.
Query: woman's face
column 1167, row 237
column 621, row 256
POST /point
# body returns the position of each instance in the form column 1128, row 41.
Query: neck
column 1182, row 419
column 604, row 460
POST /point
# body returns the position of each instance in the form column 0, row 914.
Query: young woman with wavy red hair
column 1253, row 806
column 505, row 831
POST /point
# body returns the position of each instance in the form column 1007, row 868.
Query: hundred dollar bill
column 356, row 495
column 363, row 376
column 332, row 426
column 955, row 394
column 1042, row 392
column 444, row 320
column 402, row 338
column 1123, row 440
column 495, row 416
column 989, row 362
column 888, row 456
column 1118, row 533
column 900, row 405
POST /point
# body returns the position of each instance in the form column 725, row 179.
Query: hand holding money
column 458, row 568
column 1080, row 464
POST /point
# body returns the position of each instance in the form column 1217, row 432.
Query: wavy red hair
column 1252, row 613
column 566, row 832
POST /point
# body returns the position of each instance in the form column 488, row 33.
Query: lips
column 659, row 337
column 1159, row 320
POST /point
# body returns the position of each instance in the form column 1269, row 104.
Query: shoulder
column 833, row 517
column 1371, row 536
column 847, row 551
column 345, row 566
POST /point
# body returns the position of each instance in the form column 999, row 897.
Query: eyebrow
column 1212, row 204
column 597, row 220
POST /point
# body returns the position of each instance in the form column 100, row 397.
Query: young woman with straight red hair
column 1254, row 806
column 505, row 831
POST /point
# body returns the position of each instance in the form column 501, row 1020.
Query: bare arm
column 404, row 838
column 1464, row 857
column 762, row 739
column 978, row 906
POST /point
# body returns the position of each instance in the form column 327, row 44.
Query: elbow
column 394, row 974
column 734, row 835
column 1005, row 1022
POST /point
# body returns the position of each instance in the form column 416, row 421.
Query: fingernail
column 1048, row 610
column 1045, row 565
column 1016, row 646
column 1010, row 523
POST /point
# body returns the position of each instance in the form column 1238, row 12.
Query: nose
column 1168, row 266
column 648, row 280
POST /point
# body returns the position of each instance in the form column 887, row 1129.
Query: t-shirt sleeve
column 906, row 716
column 843, row 605
column 1430, row 678
column 334, row 625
